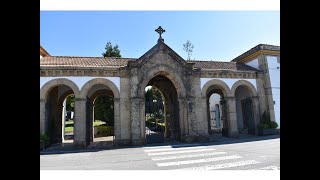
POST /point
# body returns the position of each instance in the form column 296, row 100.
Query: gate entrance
column 161, row 111
column 155, row 125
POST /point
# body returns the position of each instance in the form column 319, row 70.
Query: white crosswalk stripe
column 270, row 168
column 172, row 146
column 198, row 161
column 224, row 165
column 186, row 156
column 191, row 157
column 173, row 149
column 179, row 152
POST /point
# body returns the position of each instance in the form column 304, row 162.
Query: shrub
column 265, row 122
column 44, row 137
column 44, row 141
column 105, row 130
column 262, row 126
column 273, row 125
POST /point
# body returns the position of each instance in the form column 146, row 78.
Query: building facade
column 247, row 86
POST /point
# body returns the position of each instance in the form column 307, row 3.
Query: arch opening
column 245, row 111
column 100, row 115
column 59, row 121
column 216, row 111
column 162, row 121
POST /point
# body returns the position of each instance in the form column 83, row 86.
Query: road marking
column 270, row 168
column 173, row 149
column 186, row 156
column 197, row 161
column 179, row 152
column 173, row 146
column 221, row 166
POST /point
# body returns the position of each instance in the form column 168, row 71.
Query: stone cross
column 160, row 31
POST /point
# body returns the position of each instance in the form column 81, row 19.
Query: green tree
column 111, row 51
column 70, row 103
column 153, row 93
column 103, row 109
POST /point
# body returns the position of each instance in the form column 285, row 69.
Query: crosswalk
column 183, row 157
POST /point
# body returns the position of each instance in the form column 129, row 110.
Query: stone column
column 232, row 117
column 80, row 124
column 135, row 116
column 204, row 108
column 256, row 112
column 43, row 116
column 58, row 123
column 63, row 118
column 183, row 116
column 116, row 117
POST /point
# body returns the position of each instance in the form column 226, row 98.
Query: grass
column 69, row 125
column 68, row 129
column 98, row 123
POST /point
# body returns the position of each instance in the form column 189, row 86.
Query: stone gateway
column 245, row 86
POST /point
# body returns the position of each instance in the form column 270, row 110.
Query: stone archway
column 89, row 92
column 137, row 105
column 167, row 72
column 247, row 106
column 52, row 96
column 244, row 83
column 219, row 87
column 172, row 89
column 55, row 82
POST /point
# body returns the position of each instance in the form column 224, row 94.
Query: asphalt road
column 254, row 155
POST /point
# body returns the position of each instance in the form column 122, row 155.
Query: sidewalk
column 69, row 148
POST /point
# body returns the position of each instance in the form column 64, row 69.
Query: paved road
column 254, row 155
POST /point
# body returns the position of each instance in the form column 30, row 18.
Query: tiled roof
column 43, row 52
column 71, row 61
column 255, row 49
column 221, row 65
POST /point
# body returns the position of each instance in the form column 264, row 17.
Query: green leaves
column 111, row 51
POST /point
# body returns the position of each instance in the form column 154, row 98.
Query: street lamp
column 154, row 114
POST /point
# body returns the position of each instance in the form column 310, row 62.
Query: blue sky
column 216, row 35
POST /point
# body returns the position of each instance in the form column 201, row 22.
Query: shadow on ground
column 69, row 148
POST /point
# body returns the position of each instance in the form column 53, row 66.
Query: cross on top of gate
column 160, row 31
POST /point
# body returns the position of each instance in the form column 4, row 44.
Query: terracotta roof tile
column 222, row 65
column 73, row 61
column 255, row 49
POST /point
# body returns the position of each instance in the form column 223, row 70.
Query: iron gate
column 155, row 125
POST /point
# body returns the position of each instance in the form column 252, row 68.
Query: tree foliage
column 103, row 109
column 111, row 51
column 70, row 103
column 188, row 47
column 153, row 93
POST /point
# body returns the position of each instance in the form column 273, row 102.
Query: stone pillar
column 263, row 80
column 92, row 131
column 124, row 112
column 256, row 112
column 80, row 124
column 183, row 116
column 58, row 123
column 63, row 118
column 205, row 121
column 232, row 117
column 43, row 116
column 136, row 119
column 116, row 117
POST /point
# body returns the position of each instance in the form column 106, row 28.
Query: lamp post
column 154, row 114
